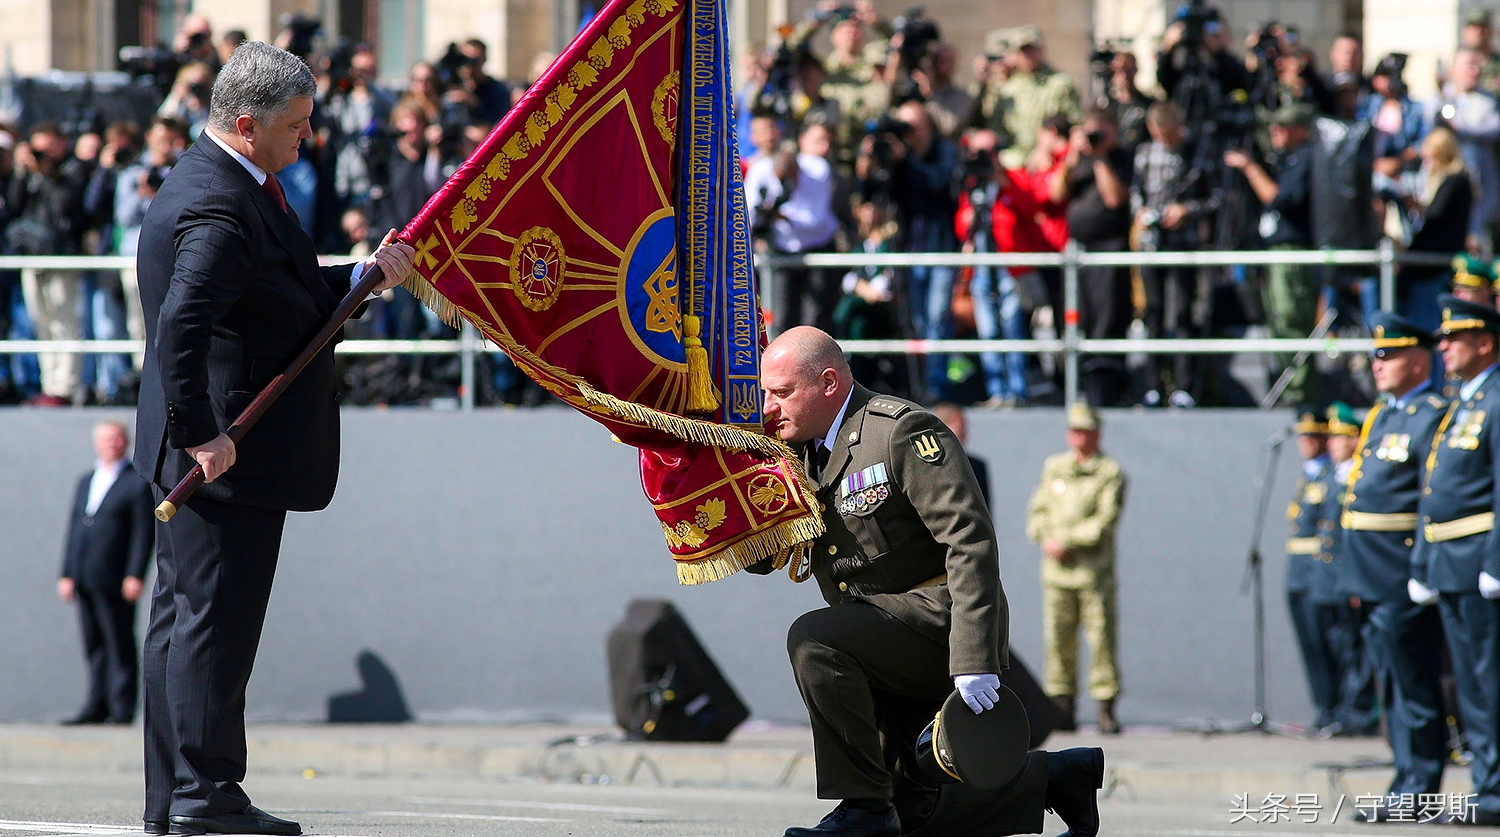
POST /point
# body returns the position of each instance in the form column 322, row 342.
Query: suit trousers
column 1472, row 624
column 215, row 563
column 108, row 623
column 1320, row 655
column 871, row 684
column 1096, row 609
column 1405, row 643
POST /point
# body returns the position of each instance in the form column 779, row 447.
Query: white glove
column 1420, row 593
column 1489, row 586
column 979, row 691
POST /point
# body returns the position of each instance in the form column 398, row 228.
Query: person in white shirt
column 791, row 199
column 107, row 550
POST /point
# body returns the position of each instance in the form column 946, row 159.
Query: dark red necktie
column 273, row 188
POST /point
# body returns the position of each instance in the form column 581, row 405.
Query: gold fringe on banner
column 774, row 543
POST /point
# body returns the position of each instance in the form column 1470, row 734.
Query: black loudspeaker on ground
column 663, row 684
column 1040, row 710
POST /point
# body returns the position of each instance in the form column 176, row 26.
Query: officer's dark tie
column 820, row 461
column 273, row 188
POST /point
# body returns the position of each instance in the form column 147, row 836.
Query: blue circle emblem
column 653, row 294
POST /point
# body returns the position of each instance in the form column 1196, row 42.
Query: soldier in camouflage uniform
column 1478, row 34
column 1031, row 92
column 1072, row 515
column 854, row 73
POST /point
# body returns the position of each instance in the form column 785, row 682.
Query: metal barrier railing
column 1069, row 345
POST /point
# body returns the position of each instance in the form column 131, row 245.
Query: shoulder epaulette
column 888, row 408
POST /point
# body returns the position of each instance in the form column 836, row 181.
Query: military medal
column 864, row 489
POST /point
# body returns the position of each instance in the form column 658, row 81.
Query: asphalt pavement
column 424, row 780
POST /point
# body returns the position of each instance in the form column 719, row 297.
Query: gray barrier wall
column 485, row 556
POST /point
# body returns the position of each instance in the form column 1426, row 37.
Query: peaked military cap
column 1310, row 422
column 1082, row 417
column 1393, row 331
column 1341, row 420
column 983, row 751
column 1462, row 315
column 1469, row 272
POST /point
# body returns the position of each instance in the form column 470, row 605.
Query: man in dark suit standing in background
column 232, row 291
column 108, row 547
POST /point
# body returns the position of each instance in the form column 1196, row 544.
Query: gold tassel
column 772, row 543
column 703, row 396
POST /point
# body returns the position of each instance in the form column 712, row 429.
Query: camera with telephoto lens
column 919, row 36
column 304, row 31
column 1195, row 17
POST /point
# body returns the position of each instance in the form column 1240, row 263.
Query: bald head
column 806, row 379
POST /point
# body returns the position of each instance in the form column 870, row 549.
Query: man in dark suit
column 232, row 291
column 109, row 545
column 910, row 569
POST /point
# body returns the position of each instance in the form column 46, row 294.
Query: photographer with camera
column 1397, row 120
column 1474, row 117
column 790, row 197
column 922, row 167
column 1098, row 190
column 353, row 116
column 995, row 214
column 1194, row 66
column 1031, row 91
column 948, row 104
column 471, row 92
column 1286, row 224
column 1172, row 196
column 1115, row 71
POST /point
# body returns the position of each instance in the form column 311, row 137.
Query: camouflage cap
column 1082, row 417
column 1294, row 113
column 997, row 42
column 1479, row 17
column 1025, row 36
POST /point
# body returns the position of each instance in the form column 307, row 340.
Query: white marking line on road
column 66, row 827
column 546, row 806
column 487, row 817
column 1258, row 833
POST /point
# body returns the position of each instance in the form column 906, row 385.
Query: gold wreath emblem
column 664, row 107
column 768, row 494
column 536, row 268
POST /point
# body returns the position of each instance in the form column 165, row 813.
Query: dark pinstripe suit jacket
column 232, row 291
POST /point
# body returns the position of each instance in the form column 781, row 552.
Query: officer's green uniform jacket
column 1018, row 106
column 903, row 509
column 1077, row 503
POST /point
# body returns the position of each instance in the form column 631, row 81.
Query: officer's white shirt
column 1468, row 388
column 103, row 479
column 1400, row 403
column 833, row 430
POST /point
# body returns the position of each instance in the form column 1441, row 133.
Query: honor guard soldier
column 1457, row 554
column 1072, row 515
column 1303, row 543
column 1379, row 517
column 909, row 567
column 1338, row 622
column 1473, row 280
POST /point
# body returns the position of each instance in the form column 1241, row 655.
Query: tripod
column 1254, row 584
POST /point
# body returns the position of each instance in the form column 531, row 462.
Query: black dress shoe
column 1074, row 778
column 252, row 820
column 156, row 827
column 854, row 822
column 86, row 718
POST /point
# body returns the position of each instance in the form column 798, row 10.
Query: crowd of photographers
column 376, row 157
column 860, row 134
column 885, row 144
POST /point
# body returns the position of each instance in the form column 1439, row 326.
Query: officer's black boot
column 1074, row 778
column 856, row 818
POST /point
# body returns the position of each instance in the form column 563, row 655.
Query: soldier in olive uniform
column 1457, row 555
column 1302, row 546
column 1031, row 92
column 1479, row 34
column 853, row 74
column 1473, row 280
column 910, row 569
column 1379, row 519
column 1072, row 515
column 1337, row 621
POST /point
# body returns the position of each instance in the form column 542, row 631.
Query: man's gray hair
column 258, row 81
